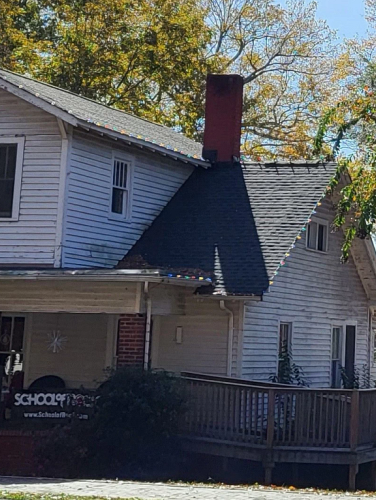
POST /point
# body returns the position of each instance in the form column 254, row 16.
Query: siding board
column 205, row 339
column 91, row 237
column 31, row 239
column 313, row 291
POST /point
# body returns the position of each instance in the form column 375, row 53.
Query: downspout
column 230, row 337
column 148, row 325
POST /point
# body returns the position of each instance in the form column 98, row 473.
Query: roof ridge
column 89, row 99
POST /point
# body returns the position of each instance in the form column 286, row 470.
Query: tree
column 19, row 43
column 349, row 128
column 286, row 57
column 151, row 57
column 146, row 57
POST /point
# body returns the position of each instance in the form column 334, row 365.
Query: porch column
column 131, row 340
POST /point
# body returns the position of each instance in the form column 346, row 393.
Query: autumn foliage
column 151, row 57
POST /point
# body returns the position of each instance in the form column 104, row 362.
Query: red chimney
column 223, row 117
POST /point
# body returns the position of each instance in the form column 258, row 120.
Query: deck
column 273, row 423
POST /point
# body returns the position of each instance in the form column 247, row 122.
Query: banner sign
column 51, row 405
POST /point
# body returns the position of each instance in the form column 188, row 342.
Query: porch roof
column 140, row 275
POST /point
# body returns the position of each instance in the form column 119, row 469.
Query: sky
column 346, row 16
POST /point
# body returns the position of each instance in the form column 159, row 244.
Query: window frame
column 20, row 141
column 124, row 217
column 322, row 222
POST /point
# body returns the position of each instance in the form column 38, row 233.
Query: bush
column 132, row 433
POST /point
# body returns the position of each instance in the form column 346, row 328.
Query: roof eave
column 133, row 141
column 21, row 92
column 137, row 275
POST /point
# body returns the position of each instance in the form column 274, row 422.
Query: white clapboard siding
column 81, row 361
column 31, row 239
column 91, row 237
column 313, row 291
column 68, row 296
column 205, row 339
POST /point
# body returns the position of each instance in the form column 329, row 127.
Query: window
column 317, row 236
column 284, row 351
column 11, row 152
column 12, row 331
column 120, row 196
column 284, row 339
column 336, row 357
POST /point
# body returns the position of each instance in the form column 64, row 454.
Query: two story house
column 122, row 242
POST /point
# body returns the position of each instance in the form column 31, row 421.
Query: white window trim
column 20, row 141
column 325, row 223
column 118, row 155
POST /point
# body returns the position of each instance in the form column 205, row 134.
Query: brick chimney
column 223, row 117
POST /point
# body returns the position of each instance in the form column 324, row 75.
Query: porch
column 272, row 423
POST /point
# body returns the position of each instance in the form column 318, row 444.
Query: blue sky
column 346, row 16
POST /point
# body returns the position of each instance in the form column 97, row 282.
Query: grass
column 33, row 496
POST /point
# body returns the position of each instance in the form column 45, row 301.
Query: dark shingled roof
column 106, row 117
column 234, row 221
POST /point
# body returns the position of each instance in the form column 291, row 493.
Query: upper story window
column 121, row 192
column 11, row 155
column 317, row 235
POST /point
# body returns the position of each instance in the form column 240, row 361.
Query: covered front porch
column 66, row 330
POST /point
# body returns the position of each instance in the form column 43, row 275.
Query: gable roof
column 235, row 221
column 91, row 113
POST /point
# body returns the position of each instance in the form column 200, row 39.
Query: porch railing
column 274, row 415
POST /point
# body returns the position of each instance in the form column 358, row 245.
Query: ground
column 12, row 488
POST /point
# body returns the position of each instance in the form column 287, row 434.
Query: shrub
column 132, row 433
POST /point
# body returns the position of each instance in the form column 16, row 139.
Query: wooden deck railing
column 273, row 415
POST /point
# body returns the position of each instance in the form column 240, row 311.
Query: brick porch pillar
column 131, row 340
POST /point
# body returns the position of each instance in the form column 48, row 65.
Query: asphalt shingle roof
column 234, row 221
column 91, row 111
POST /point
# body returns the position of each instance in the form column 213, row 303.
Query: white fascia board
column 144, row 145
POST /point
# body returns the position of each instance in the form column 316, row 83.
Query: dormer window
column 317, row 235
column 120, row 194
column 11, row 154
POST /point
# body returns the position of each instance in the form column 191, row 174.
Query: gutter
column 148, row 326
column 230, row 338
